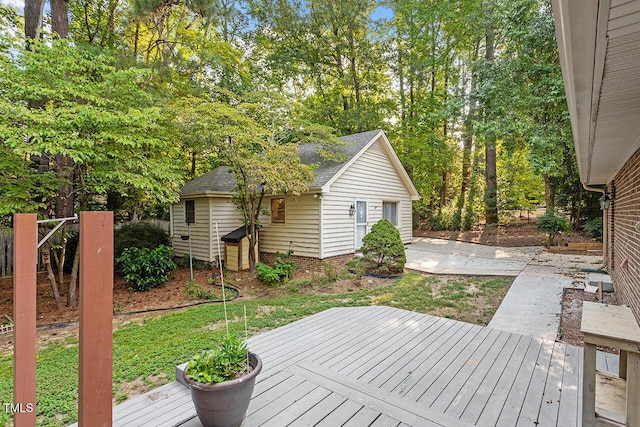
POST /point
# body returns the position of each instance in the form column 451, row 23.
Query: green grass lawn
column 146, row 353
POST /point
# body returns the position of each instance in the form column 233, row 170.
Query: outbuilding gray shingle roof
column 220, row 180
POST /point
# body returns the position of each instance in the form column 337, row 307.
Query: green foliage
column 593, row 228
column 281, row 271
column 145, row 268
column 139, row 235
column 552, row 226
column 61, row 98
column 268, row 275
column 330, row 271
column 384, row 246
column 226, row 361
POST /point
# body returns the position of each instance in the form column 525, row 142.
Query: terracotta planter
column 224, row 404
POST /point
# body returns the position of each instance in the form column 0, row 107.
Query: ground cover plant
column 147, row 350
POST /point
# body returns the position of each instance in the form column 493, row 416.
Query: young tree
column 258, row 142
column 97, row 114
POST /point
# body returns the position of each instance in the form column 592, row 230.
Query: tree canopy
column 140, row 96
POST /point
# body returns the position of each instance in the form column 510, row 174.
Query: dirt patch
column 517, row 234
column 571, row 317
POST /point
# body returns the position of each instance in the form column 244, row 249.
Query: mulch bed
column 571, row 319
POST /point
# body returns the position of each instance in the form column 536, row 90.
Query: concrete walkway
column 451, row 257
column 532, row 305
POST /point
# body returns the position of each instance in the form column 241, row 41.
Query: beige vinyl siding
column 228, row 217
column 200, row 242
column 300, row 231
column 371, row 177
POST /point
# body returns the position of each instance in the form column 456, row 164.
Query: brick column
column 25, row 253
column 96, row 317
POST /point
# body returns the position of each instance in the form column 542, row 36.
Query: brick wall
column 624, row 240
column 308, row 263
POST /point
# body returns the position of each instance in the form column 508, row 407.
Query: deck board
column 387, row 367
column 470, row 402
column 459, row 391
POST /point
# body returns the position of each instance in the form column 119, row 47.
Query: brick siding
column 624, row 240
column 308, row 263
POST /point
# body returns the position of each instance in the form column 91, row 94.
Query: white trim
column 393, row 157
column 320, row 227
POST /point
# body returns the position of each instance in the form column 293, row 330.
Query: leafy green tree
column 95, row 113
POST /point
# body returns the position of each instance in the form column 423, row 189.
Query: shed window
column 190, row 211
column 390, row 212
column 277, row 210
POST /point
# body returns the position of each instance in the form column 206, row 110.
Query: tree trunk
column 491, row 188
column 60, row 17
column 33, row 13
column 443, row 191
column 71, row 295
column 549, row 195
column 46, row 258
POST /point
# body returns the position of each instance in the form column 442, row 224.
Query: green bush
column 139, row 235
column 267, row 275
column 593, row 228
column 384, row 246
column 145, row 268
column 281, row 271
column 552, row 226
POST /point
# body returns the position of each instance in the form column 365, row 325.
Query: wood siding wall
column 372, row 178
column 624, row 240
column 200, row 242
column 300, row 232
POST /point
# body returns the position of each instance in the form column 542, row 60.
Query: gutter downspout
column 605, row 226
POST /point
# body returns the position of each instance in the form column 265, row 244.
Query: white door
column 362, row 216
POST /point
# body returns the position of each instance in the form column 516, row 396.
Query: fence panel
column 6, row 252
column 6, row 244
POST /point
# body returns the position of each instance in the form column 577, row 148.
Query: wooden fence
column 6, row 252
column 6, row 244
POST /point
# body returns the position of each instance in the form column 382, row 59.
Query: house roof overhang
column 599, row 47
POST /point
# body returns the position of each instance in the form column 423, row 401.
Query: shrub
column 145, row 268
column 139, row 235
column 330, row 270
column 226, row 361
column 593, row 228
column 281, row 271
column 267, row 275
column 552, row 225
column 384, row 246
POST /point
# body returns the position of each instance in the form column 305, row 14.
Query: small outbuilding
column 327, row 222
column 236, row 249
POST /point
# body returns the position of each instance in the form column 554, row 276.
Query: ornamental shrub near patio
column 384, row 246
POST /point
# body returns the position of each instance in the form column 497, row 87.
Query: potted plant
column 222, row 381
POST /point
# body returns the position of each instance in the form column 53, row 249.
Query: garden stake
column 224, row 299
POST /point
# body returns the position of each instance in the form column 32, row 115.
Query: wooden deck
column 380, row 366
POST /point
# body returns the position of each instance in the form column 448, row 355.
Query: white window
column 390, row 212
